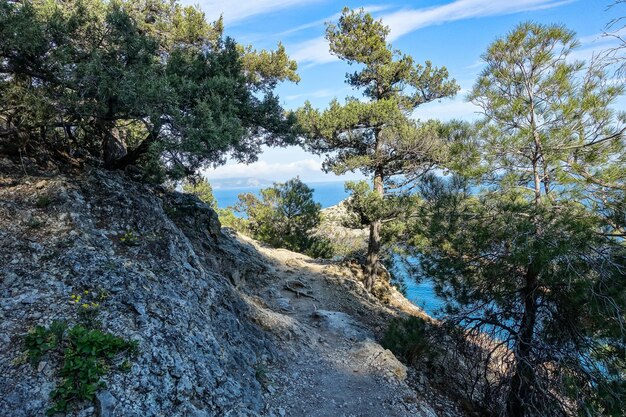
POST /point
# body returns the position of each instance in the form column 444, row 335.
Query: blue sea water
column 329, row 194
column 326, row 193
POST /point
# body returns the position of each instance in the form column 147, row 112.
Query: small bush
column 283, row 217
column 43, row 201
column 408, row 339
column 320, row 248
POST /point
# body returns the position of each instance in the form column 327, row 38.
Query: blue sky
column 451, row 33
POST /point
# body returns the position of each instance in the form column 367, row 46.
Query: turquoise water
column 328, row 194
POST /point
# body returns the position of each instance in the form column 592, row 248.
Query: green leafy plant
column 260, row 373
column 35, row 223
column 86, row 356
column 42, row 340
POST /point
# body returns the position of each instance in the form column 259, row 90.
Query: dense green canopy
column 127, row 81
column 284, row 216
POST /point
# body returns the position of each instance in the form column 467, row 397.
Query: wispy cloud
column 314, row 51
column 402, row 22
column 458, row 108
column 603, row 38
column 280, row 164
column 236, row 10
column 408, row 20
column 320, row 22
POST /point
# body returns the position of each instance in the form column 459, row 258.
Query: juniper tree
column 528, row 245
column 284, row 216
column 129, row 82
column 376, row 135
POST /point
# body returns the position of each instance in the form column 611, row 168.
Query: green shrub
column 320, row 248
column 86, row 356
column 43, row 201
column 229, row 219
column 203, row 190
column 408, row 339
column 130, row 238
column 283, row 217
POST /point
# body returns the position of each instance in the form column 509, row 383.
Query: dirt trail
column 329, row 326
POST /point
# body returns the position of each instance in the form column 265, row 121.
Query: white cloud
column 314, row 51
column 307, row 169
column 241, row 9
column 402, row 22
column 458, row 109
column 409, row 20
column 323, row 93
column 321, row 22
column 603, row 38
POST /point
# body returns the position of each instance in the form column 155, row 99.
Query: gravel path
column 336, row 368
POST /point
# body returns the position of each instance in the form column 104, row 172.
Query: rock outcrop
column 221, row 329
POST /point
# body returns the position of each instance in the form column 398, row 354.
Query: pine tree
column 528, row 245
column 376, row 135
column 284, row 216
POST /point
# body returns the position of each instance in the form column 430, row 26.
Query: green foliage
column 149, row 82
column 525, row 242
column 203, row 190
column 35, row 223
column 408, row 339
column 228, row 218
column 86, row 355
column 41, row 340
column 283, row 217
column 43, row 201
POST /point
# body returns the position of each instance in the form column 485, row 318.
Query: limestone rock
column 375, row 356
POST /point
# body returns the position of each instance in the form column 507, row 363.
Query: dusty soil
column 329, row 325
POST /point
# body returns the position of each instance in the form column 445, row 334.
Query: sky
column 450, row 33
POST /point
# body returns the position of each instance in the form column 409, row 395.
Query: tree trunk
column 132, row 156
column 522, row 383
column 113, row 146
column 373, row 246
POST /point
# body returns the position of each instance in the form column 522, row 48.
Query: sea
column 329, row 194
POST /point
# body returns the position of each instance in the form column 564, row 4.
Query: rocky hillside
column 345, row 241
column 224, row 326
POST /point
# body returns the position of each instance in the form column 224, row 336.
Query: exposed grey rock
column 106, row 404
column 170, row 290
column 370, row 353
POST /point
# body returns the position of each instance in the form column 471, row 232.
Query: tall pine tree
column 529, row 245
column 376, row 135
